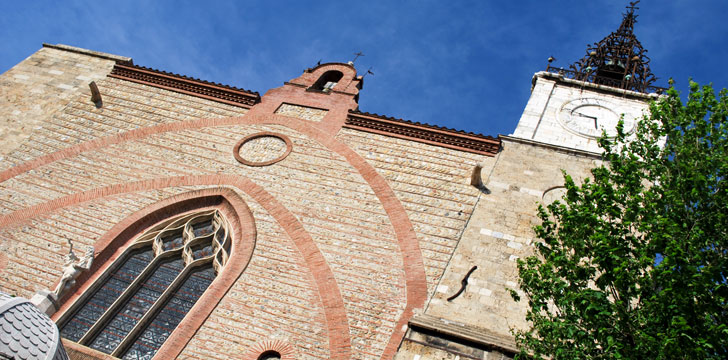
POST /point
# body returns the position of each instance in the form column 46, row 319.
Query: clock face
column 589, row 116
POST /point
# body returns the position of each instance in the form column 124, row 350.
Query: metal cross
column 632, row 6
column 357, row 56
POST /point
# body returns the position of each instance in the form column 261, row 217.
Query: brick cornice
column 428, row 134
column 186, row 85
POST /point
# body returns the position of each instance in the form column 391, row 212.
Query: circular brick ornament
column 262, row 149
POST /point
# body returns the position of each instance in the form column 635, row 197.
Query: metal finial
column 632, row 6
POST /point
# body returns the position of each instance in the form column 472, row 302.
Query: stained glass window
column 134, row 307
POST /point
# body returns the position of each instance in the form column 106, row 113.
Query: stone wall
column 35, row 89
column 498, row 233
column 542, row 119
column 354, row 231
column 302, row 112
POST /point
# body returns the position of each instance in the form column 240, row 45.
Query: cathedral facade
column 228, row 225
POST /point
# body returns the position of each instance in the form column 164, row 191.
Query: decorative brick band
column 244, row 161
column 182, row 84
column 414, row 268
column 428, row 134
column 106, row 141
column 3, row 261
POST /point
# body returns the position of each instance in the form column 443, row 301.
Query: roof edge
column 558, row 148
column 186, row 85
column 98, row 54
column 598, row 87
column 312, row 69
column 424, row 133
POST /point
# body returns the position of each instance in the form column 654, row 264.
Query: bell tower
column 571, row 107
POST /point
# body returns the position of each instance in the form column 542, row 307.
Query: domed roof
column 26, row 332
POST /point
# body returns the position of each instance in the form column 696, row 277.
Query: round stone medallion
column 261, row 149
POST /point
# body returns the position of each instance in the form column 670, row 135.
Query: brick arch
column 115, row 242
column 328, row 291
column 414, row 268
column 415, row 278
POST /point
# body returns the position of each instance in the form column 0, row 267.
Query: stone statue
column 72, row 269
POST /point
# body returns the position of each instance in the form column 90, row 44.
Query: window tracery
column 134, row 307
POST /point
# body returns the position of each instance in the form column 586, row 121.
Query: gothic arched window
column 328, row 80
column 131, row 310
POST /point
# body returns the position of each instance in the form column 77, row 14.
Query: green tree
column 632, row 263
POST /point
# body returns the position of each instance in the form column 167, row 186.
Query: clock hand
column 596, row 126
column 585, row 115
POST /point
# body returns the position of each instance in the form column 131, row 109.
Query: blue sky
column 461, row 64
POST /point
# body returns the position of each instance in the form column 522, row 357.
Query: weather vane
column 357, row 56
column 369, row 72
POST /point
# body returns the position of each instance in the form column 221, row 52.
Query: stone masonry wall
column 302, row 112
column 500, row 232
column 539, row 121
column 271, row 300
column 35, row 89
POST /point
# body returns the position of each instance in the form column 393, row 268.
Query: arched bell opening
column 328, row 81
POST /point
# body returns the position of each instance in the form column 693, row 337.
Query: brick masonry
column 301, row 112
column 352, row 230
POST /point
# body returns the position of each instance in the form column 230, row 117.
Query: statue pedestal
column 45, row 301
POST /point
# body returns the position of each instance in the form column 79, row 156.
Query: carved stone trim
column 181, row 84
column 428, row 134
column 465, row 332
